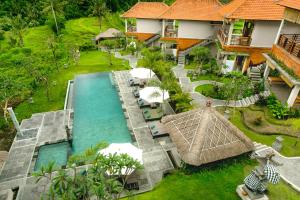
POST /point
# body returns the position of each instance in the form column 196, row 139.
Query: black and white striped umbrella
column 272, row 174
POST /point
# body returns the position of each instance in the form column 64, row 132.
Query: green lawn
column 288, row 143
column 218, row 183
column 90, row 62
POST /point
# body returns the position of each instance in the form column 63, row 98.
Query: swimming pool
column 98, row 116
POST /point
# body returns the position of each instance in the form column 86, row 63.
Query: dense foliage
column 105, row 178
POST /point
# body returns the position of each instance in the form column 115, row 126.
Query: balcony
column 171, row 31
column 131, row 29
column 291, row 43
column 236, row 40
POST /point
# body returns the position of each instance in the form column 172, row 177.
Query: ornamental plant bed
column 265, row 127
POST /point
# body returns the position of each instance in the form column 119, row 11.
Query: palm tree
column 55, row 7
column 18, row 26
column 99, row 9
column 165, row 84
column 201, row 55
column 151, row 59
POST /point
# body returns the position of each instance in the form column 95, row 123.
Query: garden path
column 201, row 100
column 289, row 170
column 131, row 59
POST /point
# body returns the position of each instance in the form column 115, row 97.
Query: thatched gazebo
column 204, row 136
column 110, row 33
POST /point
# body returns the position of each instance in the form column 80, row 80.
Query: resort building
column 143, row 23
column 283, row 63
column 189, row 23
column 249, row 30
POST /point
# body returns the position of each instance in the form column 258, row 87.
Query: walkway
column 201, row 100
column 289, row 170
column 155, row 157
column 40, row 129
column 131, row 59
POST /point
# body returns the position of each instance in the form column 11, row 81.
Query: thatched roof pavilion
column 110, row 33
column 204, row 136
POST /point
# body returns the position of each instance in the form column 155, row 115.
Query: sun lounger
column 157, row 130
column 142, row 103
column 136, row 93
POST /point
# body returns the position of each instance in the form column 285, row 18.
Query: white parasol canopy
column 142, row 73
column 154, row 95
column 124, row 148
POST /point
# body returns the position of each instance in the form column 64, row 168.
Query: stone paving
column 131, row 59
column 290, row 168
column 38, row 130
column 156, row 160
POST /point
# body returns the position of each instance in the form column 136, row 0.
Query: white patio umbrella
column 154, row 95
column 141, row 73
column 124, row 148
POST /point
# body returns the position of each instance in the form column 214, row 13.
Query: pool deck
column 155, row 157
column 40, row 129
column 49, row 128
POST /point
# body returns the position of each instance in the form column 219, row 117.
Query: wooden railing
column 222, row 36
column 291, row 43
column 171, row 32
column 235, row 39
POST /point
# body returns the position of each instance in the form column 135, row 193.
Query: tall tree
column 54, row 7
column 201, row 56
column 9, row 89
column 18, row 27
column 151, row 59
column 99, row 9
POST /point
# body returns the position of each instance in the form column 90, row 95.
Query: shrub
column 2, row 34
column 262, row 101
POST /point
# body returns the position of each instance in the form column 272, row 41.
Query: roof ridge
column 242, row 2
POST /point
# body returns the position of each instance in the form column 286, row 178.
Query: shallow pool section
column 52, row 152
column 98, row 114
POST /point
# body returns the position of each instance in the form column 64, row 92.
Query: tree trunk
column 54, row 16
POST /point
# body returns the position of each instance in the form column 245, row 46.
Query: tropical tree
column 105, row 177
column 10, row 88
column 54, row 7
column 53, row 46
column 165, row 84
column 151, row 59
column 18, row 28
column 201, row 56
column 99, row 9
column 182, row 102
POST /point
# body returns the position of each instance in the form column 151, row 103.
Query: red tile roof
column 146, row 10
column 295, row 4
column 142, row 37
column 182, row 43
column 202, row 10
column 253, row 10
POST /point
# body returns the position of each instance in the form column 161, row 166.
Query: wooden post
column 230, row 33
column 246, row 64
column 15, row 121
column 293, row 96
column 126, row 26
column 279, row 31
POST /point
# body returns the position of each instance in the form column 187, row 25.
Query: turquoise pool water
column 98, row 116
column 52, row 152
